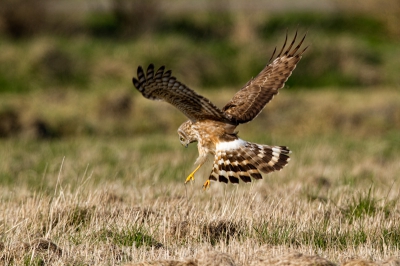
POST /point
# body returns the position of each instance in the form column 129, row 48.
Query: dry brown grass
column 112, row 201
column 291, row 259
column 85, row 227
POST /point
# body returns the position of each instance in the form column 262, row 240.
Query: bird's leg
column 206, row 184
column 191, row 176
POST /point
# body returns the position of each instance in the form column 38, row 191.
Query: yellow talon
column 189, row 178
column 206, row 184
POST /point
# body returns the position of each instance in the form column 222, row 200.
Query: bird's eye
column 181, row 139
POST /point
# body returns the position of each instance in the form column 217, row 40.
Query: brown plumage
column 162, row 86
column 214, row 129
column 247, row 103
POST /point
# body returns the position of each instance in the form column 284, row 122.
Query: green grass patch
column 345, row 50
column 35, row 261
column 332, row 23
column 325, row 236
column 365, row 204
column 129, row 236
column 275, row 234
column 200, row 27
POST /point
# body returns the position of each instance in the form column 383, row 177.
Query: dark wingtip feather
column 160, row 73
column 151, row 66
column 139, row 70
column 135, row 83
column 298, row 46
column 291, row 44
column 272, row 56
column 150, row 72
column 283, row 47
column 304, row 50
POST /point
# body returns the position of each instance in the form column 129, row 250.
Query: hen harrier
column 214, row 128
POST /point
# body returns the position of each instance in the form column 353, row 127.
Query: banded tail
column 240, row 159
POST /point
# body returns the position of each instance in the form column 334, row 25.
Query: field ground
column 110, row 191
column 92, row 174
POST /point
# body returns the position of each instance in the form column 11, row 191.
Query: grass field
column 91, row 173
column 109, row 189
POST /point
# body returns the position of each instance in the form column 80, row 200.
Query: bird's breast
column 211, row 132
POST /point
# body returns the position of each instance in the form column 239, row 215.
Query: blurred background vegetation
column 72, row 126
column 66, row 66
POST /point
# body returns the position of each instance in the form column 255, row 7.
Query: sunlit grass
column 108, row 199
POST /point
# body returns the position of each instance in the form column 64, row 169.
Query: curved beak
column 185, row 145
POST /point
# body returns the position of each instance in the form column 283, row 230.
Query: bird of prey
column 214, row 129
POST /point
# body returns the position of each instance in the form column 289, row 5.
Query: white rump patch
column 231, row 145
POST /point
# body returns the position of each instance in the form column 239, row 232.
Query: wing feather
column 247, row 103
column 164, row 87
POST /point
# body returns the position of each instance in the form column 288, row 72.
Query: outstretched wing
column 162, row 86
column 247, row 103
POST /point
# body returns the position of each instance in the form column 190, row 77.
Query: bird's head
column 186, row 133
